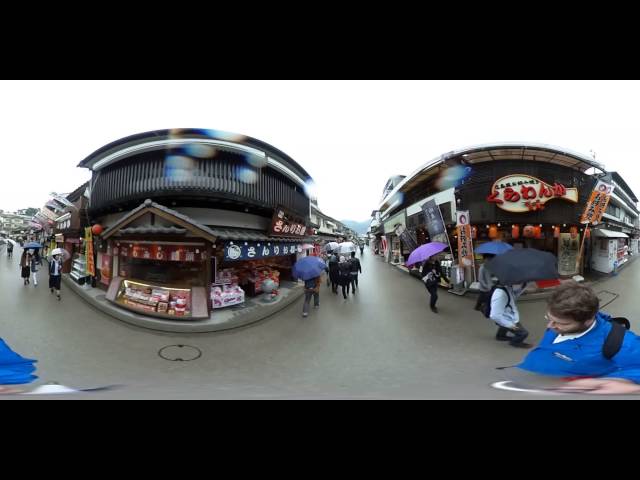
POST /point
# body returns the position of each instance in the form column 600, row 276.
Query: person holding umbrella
column 55, row 270
column 431, row 271
column 344, row 278
column 515, row 267
column 310, row 270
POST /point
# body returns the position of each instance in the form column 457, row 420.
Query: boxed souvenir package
column 226, row 296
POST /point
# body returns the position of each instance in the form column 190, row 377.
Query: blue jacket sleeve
column 627, row 361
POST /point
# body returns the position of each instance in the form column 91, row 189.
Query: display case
column 79, row 269
column 164, row 301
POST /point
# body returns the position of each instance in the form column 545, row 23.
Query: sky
column 351, row 136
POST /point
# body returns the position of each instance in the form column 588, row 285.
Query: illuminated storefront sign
column 523, row 193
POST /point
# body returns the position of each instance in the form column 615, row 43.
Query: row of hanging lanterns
column 529, row 231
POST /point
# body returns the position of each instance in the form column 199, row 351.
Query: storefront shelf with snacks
column 162, row 301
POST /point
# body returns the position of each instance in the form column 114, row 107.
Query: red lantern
column 537, row 232
column 97, row 229
column 528, row 231
column 556, row 232
column 474, row 232
column 574, row 232
column 493, row 231
column 515, row 232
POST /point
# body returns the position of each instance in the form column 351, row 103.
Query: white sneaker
column 305, row 315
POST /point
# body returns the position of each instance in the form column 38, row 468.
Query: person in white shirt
column 504, row 312
column 55, row 275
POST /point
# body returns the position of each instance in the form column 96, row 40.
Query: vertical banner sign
column 91, row 267
column 597, row 203
column 593, row 212
column 407, row 237
column 568, row 250
column 433, row 219
column 465, row 245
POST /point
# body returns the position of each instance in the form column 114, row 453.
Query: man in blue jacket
column 573, row 345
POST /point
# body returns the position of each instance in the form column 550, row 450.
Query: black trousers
column 433, row 291
column 519, row 334
column 354, row 282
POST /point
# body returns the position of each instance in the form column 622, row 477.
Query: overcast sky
column 351, row 136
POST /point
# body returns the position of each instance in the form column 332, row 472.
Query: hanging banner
column 91, row 266
column 465, row 244
column 597, row 204
column 433, row 219
column 257, row 250
column 407, row 237
column 524, row 193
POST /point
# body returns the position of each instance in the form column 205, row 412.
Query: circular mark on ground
column 180, row 353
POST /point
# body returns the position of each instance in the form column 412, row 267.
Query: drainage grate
column 606, row 297
column 180, row 353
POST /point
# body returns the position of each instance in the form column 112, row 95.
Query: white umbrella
column 331, row 246
column 60, row 251
column 346, row 247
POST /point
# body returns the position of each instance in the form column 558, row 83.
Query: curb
column 96, row 298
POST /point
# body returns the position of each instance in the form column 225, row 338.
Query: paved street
column 384, row 342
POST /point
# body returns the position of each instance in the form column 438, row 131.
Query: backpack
column 486, row 306
column 430, row 279
column 310, row 284
column 613, row 343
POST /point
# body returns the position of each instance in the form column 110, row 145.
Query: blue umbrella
column 29, row 245
column 15, row 369
column 307, row 268
column 494, row 248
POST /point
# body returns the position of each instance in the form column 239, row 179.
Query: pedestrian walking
column 485, row 277
column 311, row 289
column 36, row 261
column 355, row 268
column 55, row 275
column 344, row 271
column 25, row 266
column 431, row 275
column 9, row 249
column 334, row 273
column 503, row 310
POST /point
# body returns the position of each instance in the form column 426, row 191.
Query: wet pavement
column 383, row 342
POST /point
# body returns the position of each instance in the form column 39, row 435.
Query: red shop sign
column 524, row 193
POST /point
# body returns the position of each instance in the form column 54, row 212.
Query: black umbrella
column 523, row 265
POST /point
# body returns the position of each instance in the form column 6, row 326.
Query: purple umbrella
column 425, row 251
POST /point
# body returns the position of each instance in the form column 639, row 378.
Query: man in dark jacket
column 431, row 275
column 355, row 268
column 334, row 274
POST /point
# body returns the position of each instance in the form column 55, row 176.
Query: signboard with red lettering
column 285, row 224
column 597, row 204
column 524, row 193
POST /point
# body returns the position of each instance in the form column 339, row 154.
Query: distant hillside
column 359, row 227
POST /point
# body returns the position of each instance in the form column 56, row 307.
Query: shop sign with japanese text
column 285, row 224
column 524, row 193
column 256, row 250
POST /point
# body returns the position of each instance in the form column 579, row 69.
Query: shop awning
column 253, row 235
column 601, row 232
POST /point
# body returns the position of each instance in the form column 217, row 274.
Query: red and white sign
column 597, row 204
column 465, row 244
column 524, row 193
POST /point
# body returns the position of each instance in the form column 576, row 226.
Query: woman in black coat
column 344, row 269
column 433, row 273
column 334, row 273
